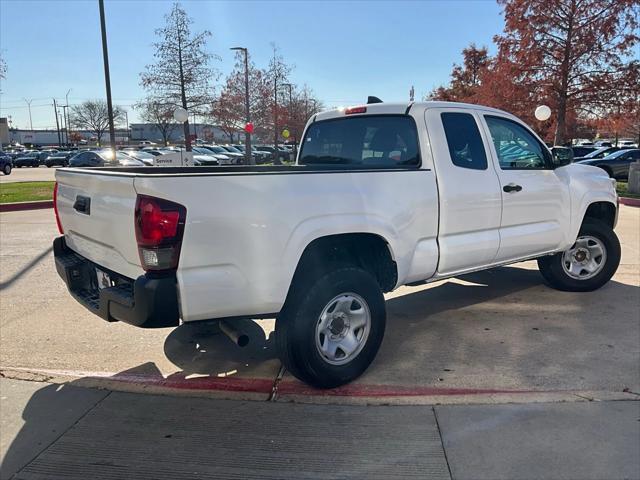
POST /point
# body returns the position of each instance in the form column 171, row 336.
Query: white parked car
column 146, row 143
column 382, row 195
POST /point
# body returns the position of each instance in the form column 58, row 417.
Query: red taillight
column 55, row 208
column 159, row 227
column 352, row 110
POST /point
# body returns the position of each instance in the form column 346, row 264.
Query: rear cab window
column 463, row 139
column 376, row 141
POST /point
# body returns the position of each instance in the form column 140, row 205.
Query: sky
column 344, row 51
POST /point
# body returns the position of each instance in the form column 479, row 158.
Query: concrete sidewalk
column 62, row 431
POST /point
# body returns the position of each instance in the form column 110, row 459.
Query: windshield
column 601, row 152
column 374, row 140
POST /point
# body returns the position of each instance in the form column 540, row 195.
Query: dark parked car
column 599, row 153
column 581, row 151
column 103, row 158
column 29, row 159
column 60, row 159
column 616, row 164
column 6, row 164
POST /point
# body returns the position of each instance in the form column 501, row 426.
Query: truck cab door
column 535, row 200
column 468, row 189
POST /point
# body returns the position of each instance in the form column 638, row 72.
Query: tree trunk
column 561, row 125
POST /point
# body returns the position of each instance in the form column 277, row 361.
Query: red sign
column 248, row 128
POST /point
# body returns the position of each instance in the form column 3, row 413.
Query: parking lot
column 493, row 336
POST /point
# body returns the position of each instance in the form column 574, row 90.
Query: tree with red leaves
column 579, row 52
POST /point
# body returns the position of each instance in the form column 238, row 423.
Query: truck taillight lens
column 159, row 227
column 55, row 208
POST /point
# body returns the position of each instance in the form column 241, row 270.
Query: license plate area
column 103, row 279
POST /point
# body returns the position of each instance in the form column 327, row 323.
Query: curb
column 19, row 206
column 292, row 391
column 631, row 202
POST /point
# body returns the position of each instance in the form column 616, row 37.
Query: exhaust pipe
column 239, row 338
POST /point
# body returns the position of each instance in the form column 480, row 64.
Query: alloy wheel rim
column 585, row 259
column 343, row 328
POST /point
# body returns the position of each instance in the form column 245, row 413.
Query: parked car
column 628, row 144
column 617, row 164
column 60, row 159
column 276, row 154
column 146, row 143
column 6, row 163
column 141, row 155
column 103, row 157
column 221, row 158
column 369, row 207
column 598, row 153
column 603, row 143
column 235, row 158
column 580, row 151
column 29, row 159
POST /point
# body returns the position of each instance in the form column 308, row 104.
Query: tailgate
column 97, row 214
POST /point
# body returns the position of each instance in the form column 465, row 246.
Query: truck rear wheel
column 588, row 264
column 332, row 327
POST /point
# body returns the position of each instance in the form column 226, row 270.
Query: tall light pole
column 126, row 116
column 66, row 115
column 55, row 113
column 29, row 105
column 107, row 79
column 291, row 126
column 248, row 158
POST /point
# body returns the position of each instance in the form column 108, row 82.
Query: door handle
column 512, row 187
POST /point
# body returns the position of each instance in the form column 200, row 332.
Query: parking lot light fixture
column 248, row 158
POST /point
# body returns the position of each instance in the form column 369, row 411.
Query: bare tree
column 93, row 115
column 277, row 74
column 181, row 75
column 160, row 114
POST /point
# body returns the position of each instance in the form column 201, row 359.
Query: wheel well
column 602, row 211
column 366, row 250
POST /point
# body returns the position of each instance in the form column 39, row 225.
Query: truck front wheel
column 331, row 327
column 588, row 264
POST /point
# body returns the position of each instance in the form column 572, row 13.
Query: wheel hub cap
column 585, row 259
column 343, row 328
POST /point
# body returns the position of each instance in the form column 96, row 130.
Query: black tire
column 7, row 169
column 551, row 267
column 296, row 326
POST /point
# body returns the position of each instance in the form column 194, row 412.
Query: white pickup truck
column 382, row 195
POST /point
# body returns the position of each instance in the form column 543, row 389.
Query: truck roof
column 400, row 108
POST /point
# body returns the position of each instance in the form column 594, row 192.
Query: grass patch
column 26, row 191
column 622, row 187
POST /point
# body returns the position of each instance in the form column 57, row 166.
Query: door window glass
column 516, row 147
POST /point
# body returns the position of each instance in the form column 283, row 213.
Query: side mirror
column 561, row 156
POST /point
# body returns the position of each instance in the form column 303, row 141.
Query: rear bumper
column 146, row 302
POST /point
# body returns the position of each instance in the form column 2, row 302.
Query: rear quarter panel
column 245, row 233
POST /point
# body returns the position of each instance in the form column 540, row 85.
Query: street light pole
column 55, row 113
column 126, row 116
column 107, row 79
column 66, row 116
column 29, row 105
column 248, row 157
